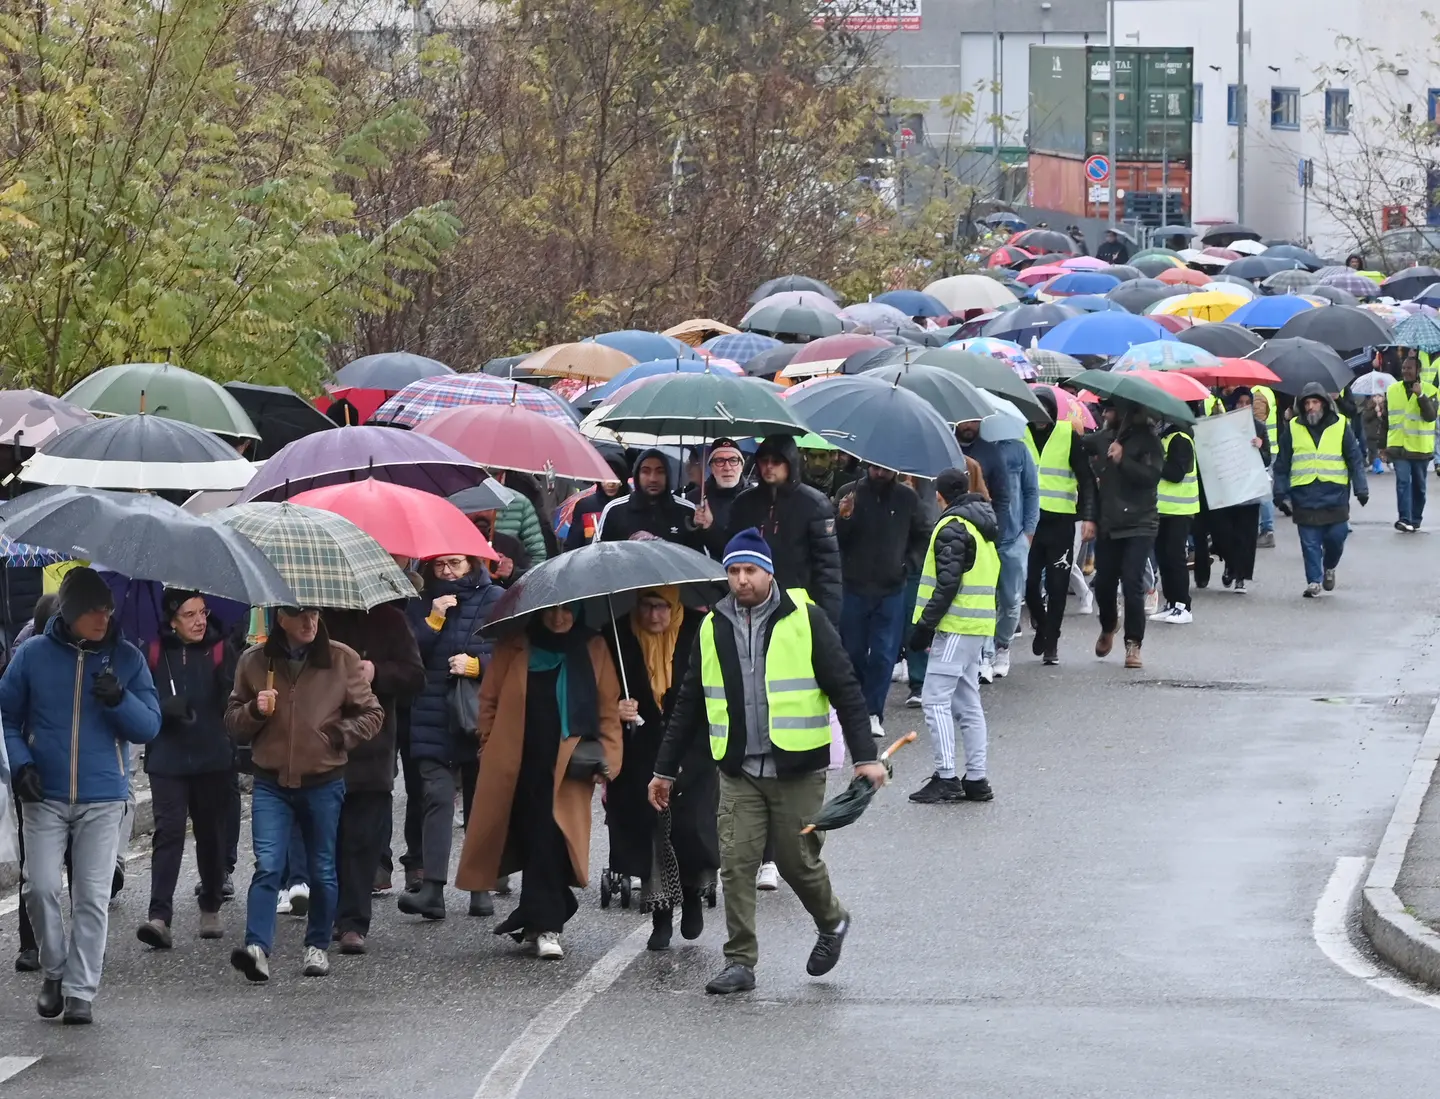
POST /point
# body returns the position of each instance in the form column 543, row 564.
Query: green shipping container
column 1058, row 79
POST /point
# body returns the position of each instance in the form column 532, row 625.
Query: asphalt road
column 1130, row 917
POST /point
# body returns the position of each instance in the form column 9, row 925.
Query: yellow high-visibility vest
column 1180, row 497
column 1325, row 462
column 1059, row 491
column 1407, row 430
column 972, row 611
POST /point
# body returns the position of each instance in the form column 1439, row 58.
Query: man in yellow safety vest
column 1410, row 406
column 767, row 667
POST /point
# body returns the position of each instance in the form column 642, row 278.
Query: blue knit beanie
column 749, row 548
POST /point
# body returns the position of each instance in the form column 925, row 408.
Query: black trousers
column 1200, row 533
column 414, row 830
column 1120, row 565
column 364, row 829
column 1170, row 556
column 232, row 824
column 1047, row 578
column 205, row 800
column 1235, row 531
column 27, row 931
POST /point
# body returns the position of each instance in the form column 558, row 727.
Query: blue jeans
column 872, row 630
column 1009, row 593
column 1267, row 516
column 1321, row 547
column 274, row 810
column 916, row 661
column 297, row 859
column 1410, row 488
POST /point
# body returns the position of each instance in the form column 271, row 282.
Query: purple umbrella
column 877, row 315
column 1352, row 283
column 29, row 417
column 385, row 453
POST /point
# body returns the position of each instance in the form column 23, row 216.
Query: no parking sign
column 1097, row 169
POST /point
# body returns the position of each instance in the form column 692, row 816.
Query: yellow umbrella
column 577, row 360
column 1208, row 305
column 697, row 331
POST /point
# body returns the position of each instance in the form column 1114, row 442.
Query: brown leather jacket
column 318, row 717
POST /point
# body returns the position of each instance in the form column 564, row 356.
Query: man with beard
column 724, row 484
column 650, row 508
column 996, row 475
column 1410, row 409
column 1319, row 465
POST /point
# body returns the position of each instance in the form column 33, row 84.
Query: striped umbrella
column 418, row 401
column 18, row 555
column 1163, row 355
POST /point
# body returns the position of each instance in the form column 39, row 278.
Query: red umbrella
column 1170, row 322
column 1034, row 275
column 513, row 437
column 837, row 347
column 1232, row 372
column 403, row 520
column 1174, row 383
column 1008, row 256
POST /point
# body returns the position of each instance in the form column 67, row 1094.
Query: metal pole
column 995, row 88
column 1242, row 112
column 1111, row 143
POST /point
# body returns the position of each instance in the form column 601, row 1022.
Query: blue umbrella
column 596, row 396
column 1429, row 296
column 914, row 303
column 879, row 423
column 1028, row 322
column 1111, row 333
column 17, row 555
column 645, row 346
column 1093, row 303
column 1079, row 282
column 740, row 347
column 1269, row 312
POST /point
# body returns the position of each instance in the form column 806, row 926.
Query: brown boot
column 155, row 934
column 1132, row 655
column 1106, row 643
column 210, row 926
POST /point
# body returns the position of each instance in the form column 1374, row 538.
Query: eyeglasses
column 449, row 564
column 652, row 607
column 727, row 461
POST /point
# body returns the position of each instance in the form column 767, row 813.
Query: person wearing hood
column 722, row 487
column 72, row 701
column 997, row 485
column 1318, row 467
column 585, row 518
column 650, row 508
column 1410, row 410
column 190, row 763
column 1127, row 460
column 954, row 615
column 797, row 523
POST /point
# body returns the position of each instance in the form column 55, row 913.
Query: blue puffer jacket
column 430, row 734
column 81, row 756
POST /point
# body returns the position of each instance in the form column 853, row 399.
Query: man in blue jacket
column 72, row 701
column 1018, row 520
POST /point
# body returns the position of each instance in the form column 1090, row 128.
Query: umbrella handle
column 904, row 740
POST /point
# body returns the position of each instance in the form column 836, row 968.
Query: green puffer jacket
column 520, row 521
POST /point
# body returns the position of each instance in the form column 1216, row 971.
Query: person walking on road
column 1410, row 408
column 72, row 701
column 721, row 489
column 995, row 478
column 953, row 615
column 651, row 508
column 1319, row 466
column 1018, row 521
column 1177, row 500
column 302, row 702
column 767, row 666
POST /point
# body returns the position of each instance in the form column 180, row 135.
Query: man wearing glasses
column 712, row 504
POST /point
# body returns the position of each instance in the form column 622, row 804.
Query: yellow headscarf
column 659, row 648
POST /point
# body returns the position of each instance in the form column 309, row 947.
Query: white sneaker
column 1163, row 613
column 299, row 900
column 877, row 730
column 317, row 962
column 1152, row 601
column 547, row 946
column 768, row 878
column 987, row 672
column 1178, row 615
column 1001, row 663
column 282, row 902
column 900, row 673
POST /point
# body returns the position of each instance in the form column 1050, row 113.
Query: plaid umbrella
column 741, row 347
column 1285, row 282
column 328, row 561
column 1352, row 283
column 420, row 400
column 1053, row 366
column 16, row 555
column 1419, row 332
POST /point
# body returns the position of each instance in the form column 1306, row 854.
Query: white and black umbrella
column 138, row 452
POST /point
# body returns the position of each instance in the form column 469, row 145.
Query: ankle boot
column 427, row 901
column 692, row 914
column 662, row 931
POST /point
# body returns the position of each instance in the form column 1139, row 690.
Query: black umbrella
column 1122, row 271
column 846, row 806
column 1027, row 322
column 138, row 452
column 946, row 392
column 1139, row 295
column 881, row 424
column 392, row 370
column 1409, row 282
column 1346, row 328
column 769, row 363
column 1255, row 268
column 1298, row 362
column 787, row 283
column 1309, row 259
column 1046, row 259
column 146, row 538
column 1221, row 235
column 1229, row 341
column 279, row 413
column 1047, row 240
column 874, row 357
column 1187, row 231
column 504, row 367
column 990, row 374
column 488, row 495
column 1333, row 294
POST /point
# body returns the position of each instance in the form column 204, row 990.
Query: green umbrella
column 163, row 390
column 1145, row 253
column 1127, row 387
column 985, row 372
column 702, row 406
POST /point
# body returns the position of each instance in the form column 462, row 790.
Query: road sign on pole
column 907, row 138
column 1097, row 169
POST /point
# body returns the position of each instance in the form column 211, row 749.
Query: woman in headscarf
column 677, row 852
column 550, row 691
column 1236, row 530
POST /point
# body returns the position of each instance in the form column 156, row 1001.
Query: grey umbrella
column 1346, row 328
column 138, row 452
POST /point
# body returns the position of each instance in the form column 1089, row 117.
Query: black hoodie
column 1127, row 489
column 666, row 517
column 955, row 553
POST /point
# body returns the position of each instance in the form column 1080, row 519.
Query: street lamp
column 1111, row 129
column 1242, row 114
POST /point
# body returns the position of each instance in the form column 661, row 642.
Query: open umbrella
column 1007, row 255
column 880, row 317
column 1127, row 387
column 1419, row 332
column 1270, row 312
column 1122, row 271
column 162, row 390
column 1289, row 282
column 794, row 321
column 769, row 363
column 1138, row 295
column 1044, row 240
column 1352, row 282
column 1228, row 233
column 790, row 283
column 793, row 299
column 645, row 346
column 1154, row 266
column 1255, row 268
column 1106, row 334
column 1206, row 305
column 1178, row 276
column 488, row 495
column 137, row 452
column 1011, row 354
column 279, row 414
column 961, row 293
column 914, row 303
column 1222, row 339
column 17, row 555
column 1372, row 384
column 403, row 520
column 1067, row 407
column 1428, row 296
column 1037, row 274
column 847, row 806
column 943, row 390
column 418, row 401
column 605, row 394
column 511, row 437
column 702, row 406
column 1298, row 362
column 742, row 346
column 1027, row 322
column 1346, row 328
column 390, row 371
column 593, row 361
column 1083, row 263
column 881, row 424
column 983, row 372
column 1053, row 366
column 695, row 332
column 1076, row 282
column 1409, row 282
column 146, row 538
column 1311, row 261
column 835, row 347
column 1163, row 355
column 1329, row 295
column 29, row 417
column 1174, row 382
column 1156, row 250
column 1232, row 371
column 327, row 560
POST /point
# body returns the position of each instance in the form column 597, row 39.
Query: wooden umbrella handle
column 904, row 740
column 270, row 682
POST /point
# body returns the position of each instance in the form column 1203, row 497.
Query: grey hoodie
column 750, row 624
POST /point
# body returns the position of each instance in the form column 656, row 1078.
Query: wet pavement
column 1131, row 917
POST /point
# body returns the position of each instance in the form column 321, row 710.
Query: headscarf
column 1232, row 399
column 576, row 696
column 658, row 649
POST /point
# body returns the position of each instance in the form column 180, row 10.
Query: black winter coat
column 192, row 683
column 721, row 500
column 884, row 538
column 665, row 516
column 798, row 522
column 1128, row 488
column 955, row 554
column 383, row 637
column 431, row 735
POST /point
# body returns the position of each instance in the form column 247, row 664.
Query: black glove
column 177, row 709
column 1282, row 505
column 1363, row 497
column 27, row 784
column 108, row 689
column 921, row 638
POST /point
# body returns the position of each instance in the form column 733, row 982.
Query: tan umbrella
column 697, row 331
column 577, row 360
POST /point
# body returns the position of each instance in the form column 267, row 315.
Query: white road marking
column 13, row 1066
column 1332, row 934
column 507, row 1076
column 12, row 904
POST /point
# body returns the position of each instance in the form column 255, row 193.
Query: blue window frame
column 1197, row 99
column 1337, row 110
column 1233, row 105
column 1284, row 108
column 1433, row 105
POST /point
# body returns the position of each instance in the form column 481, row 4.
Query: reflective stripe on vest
column 1429, row 372
column 1180, row 497
column 1408, row 431
column 972, row 611
column 1323, row 463
column 799, row 710
column 1059, row 491
column 1271, row 419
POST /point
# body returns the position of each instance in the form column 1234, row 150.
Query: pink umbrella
column 1172, row 323
column 1069, row 407
column 1083, row 263
column 1178, row 385
column 1032, row 276
column 837, row 347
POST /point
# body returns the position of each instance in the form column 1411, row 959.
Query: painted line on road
column 13, row 1066
column 507, row 1076
column 1331, row 929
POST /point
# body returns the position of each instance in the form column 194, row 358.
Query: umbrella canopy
column 1153, row 266
column 1041, row 273
column 16, row 555
column 1174, row 382
column 1122, row 271
column 794, row 321
column 1373, row 384
column 1232, row 371
column 1256, row 268
column 29, row 417
column 1228, row 339
column 511, row 437
column 404, row 457
column 146, row 538
column 790, row 284
column 592, row 361
column 1069, row 407
column 914, row 303
column 695, row 332
column 1165, row 253
column 1138, row 295
column 836, row 347
column 741, row 347
column 1311, row 261
column 1083, row 263
column 946, row 392
column 1127, row 387
column 879, row 316
column 1346, row 328
column 1011, row 354
column 1332, row 295
column 403, row 520
column 1207, row 305
column 390, row 371
column 1027, row 322
column 418, row 401
column 769, row 363
column 1352, row 282
column 1107, row 334
column 488, row 495
column 1228, row 233
column 960, row 293
column 1176, row 276
column 1078, row 282
column 1163, row 355
column 1164, row 232
column 279, row 414
column 1298, row 362
column 163, row 390
column 1008, row 256
column 1044, row 240
column 1409, row 282
column 702, row 406
column 1419, row 332
column 603, row 394
column 645, row 346
column 137, row 452
column 1173, row 325
column 881, row 424
column 1289, row 282
column 1248, row 247
column 1270, row 312
column 983, row 372
column 1053, row 366
column 798, row 299
column 1428, row 296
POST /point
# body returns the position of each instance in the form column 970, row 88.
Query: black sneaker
column 27, row 961
column 1037, row 644
column 227, row 890
column 1404, row 527
column 50, row 1002
column 1051, row 657
column 938, row 790
column 733, row 978
column 977, row 789
column 827, row 949
column 1329, row 582
column 1226, row 578
column 912, row 700
column 77, row 1012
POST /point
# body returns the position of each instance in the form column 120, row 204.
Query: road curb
column 1397, row 936
column 142, row 825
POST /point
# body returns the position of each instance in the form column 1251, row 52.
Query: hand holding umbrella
column 846, row 807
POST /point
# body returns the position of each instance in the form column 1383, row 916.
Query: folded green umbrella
column 845, row 807
column 1127, row 387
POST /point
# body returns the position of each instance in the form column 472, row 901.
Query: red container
column 1059, row 183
